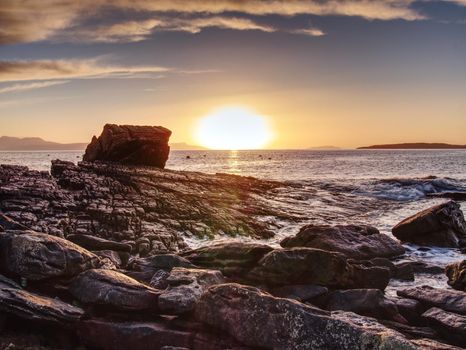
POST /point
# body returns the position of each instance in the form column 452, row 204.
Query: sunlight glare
column 233, row 128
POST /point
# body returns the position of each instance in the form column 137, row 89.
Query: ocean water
column 376, row 187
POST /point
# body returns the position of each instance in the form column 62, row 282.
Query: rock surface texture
column 130, row 144
column 354, row 241
column 442, row 225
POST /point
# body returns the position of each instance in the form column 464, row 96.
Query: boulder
column 143, row 269
column 315, row 266
column 96, row 243
column 258, row 319
column 446, row 299
column 450, row 325
column 185, row 287
column 410, row 309
column 442, row 225
column 456, row 274
column 109, row 258
column 359, row 242
column 113, row 289
column 26, row 305
column 232, row 258
column 130, row 144
column 39, row 256
column 366, row 302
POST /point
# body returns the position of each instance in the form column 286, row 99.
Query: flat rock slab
column 450, row 325
column 113, row 289
column 29, row 306
column 442, row 225
column 315, row 266
column 39, row 256
column 359, row 242
column 96, row 243
column 446, row 299
column 258, row 319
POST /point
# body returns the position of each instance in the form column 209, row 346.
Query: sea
column 375, row 187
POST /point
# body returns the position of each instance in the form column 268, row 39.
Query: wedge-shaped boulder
column 258, row 319
column 359, row 242
column 316, row 266
column 39, row 256
column 442, row 225
column 185, row 287
column 446, row 299
column 232, row 259
column 26, row 305
column 113, row 289
column 450, row 325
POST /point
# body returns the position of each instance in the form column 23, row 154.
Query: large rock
column 456, row 274
column 367, row 302
column 113, row 289
column 23, row 304
column 185, row 287
column 130, row 144
column 450, row 325
column 143, row 269
column 446, row 299
column 315, row 266
column 354, row 241
column 98, row 243
column 258, row 319
column 39, row 256
column 232, row 258
column 442, row 225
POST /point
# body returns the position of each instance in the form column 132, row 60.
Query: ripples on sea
column 376, row 187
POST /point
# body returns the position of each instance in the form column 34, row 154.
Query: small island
column 417, row 145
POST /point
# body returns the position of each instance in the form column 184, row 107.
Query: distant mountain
column 185, row 147
column 418, row 145
column 8, row 143
column 324, row 148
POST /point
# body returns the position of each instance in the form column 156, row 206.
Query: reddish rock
column 450, row 325
column 456, row 274
column 130, row 144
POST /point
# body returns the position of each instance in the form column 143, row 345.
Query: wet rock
column 130, row 144
column 446, row 299
column 97, row 243
column 185, row 287
column 315, row 266
column 450, row 325
column 410, row 309
column 143, row 269
column 366, row 302
column 258, row 319
column 442, row 225
column 26, row 305
column 300, row 292
column 113, row 289
column 359, row 242
column 419, row 267
column 38, row 256
column 404, row 271
column 456, row 274
column 232, row 258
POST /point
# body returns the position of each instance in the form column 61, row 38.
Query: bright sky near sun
column 236, row 74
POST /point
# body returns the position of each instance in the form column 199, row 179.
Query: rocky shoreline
column 96, row 256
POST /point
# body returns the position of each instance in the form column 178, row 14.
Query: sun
column 233, row 128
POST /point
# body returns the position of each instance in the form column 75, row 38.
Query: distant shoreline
column 419, row 145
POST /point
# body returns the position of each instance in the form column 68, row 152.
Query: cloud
column 69, row 69
column 309, row 31
column 31, row 86
column 32, row 20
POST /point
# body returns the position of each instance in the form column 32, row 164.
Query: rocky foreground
column 94, row 256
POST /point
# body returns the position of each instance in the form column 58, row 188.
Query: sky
column 322, row 72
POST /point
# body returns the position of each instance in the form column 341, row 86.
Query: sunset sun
column 233, row 128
